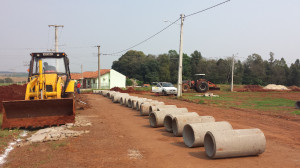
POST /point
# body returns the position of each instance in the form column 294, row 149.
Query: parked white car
column 164, row 88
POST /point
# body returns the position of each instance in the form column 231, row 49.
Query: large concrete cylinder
column 123, row 99
column 129, row 101
column 297, row 105
column 234, row 143
column 141, row 101
column 160, row 107
column 179, row 122
column 169, row 118
column 193, row 134
column 135, row 101
column 116, row 98
column 96, row 91
column 111, row 94
column 145, row 107
column 108, row 93
column 104, row 92
column 156, row 118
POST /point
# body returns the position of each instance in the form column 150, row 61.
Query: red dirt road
column 117, row 131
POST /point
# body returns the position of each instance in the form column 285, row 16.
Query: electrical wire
column 207, row 9
column 144, row 40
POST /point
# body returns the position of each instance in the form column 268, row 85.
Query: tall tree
column 164, row 67
column 294, row 75
column 130, row 63
column 196, row 57
column 254, row 70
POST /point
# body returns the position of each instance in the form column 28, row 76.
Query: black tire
column 164, row 93
column 202, row 87
column 185, row 87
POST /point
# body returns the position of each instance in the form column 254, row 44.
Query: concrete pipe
column 134, row 102
column 128, row 101
column 145, row 107
column 297, row 105
column 179, row 122
column 234, row 143
column 156, row 118
column 111, row 94
column 116, row 98
column 96, row 91
column 104, row 92
column 140, row 102
column 169, row 118
column 160, row 107
column 123, row 99
column 193, row 134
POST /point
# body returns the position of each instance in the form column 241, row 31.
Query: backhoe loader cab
column 45, row 104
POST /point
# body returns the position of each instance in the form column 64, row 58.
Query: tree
column 294, row 75
column 254, row 70
column 164, row 67
column 130, row 63
column 174, row 61
column 149, row 69
column 196, row 57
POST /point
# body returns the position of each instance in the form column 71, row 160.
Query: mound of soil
column 128, row 90
column 251, row 88
column 294, row 88
column 12, row 92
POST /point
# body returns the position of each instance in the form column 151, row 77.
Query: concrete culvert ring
column 168, row 123
column 210, row 144
column 188, row 136
column 174, row 126
column 297, row 104
column 152, row 120
column 150, row 109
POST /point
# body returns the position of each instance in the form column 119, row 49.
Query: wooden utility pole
column 179, row 83
column 99, row 81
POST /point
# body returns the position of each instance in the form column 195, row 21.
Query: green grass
column 297, row 112
column 244, row 100
column 143, row 88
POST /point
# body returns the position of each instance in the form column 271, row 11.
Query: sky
column 240, row 27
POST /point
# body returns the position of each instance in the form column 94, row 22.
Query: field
column 120, row 137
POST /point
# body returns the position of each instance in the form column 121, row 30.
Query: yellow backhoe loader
column 47, row 99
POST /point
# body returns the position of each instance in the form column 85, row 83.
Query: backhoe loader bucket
column 37, row 113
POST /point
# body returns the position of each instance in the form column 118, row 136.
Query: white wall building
column 109, row 78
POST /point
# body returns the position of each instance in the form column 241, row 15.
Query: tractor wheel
column 202, row 86
column 185, row 87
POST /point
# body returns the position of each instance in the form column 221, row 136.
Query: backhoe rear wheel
column 202, row 86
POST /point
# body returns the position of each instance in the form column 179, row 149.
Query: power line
column 207, row 8
column 144, row 40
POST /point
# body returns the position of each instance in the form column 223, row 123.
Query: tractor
column 200, row 85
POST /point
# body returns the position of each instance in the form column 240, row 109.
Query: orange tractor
column 200, row 85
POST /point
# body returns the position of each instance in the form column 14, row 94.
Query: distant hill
column 13, row 74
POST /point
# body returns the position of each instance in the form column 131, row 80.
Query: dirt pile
column 294, row 88
column 128, row 90
column 12, row 92
column 251, row 88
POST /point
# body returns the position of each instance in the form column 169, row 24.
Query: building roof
column 89, row 74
